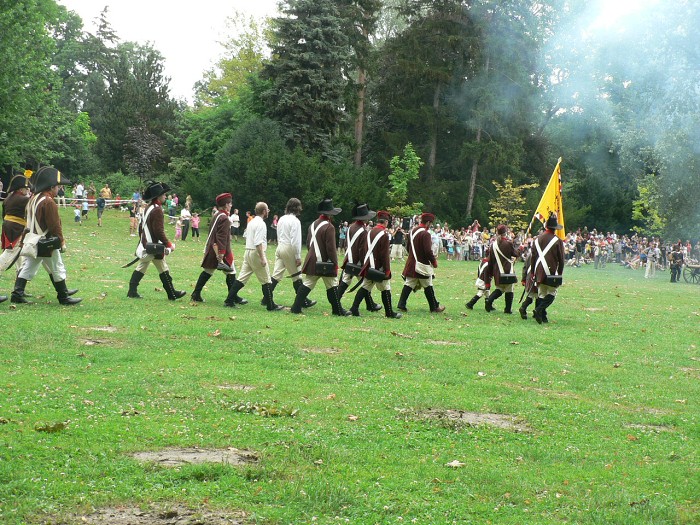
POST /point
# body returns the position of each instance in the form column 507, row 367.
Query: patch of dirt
column 242, row 388
column 461, row 417
column 174, row 457
column 166, row 515
column 317, row 350
column 442, row 343
column 96, row 342
column 543, row 391
column 593, row 309
column 110, row 329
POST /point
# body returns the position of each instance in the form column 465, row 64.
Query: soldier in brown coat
column 419, row 265
column 43, row 219
column 217, row 253
column 548, row 254
column 376, row 266
column 355, row 253
column 14, row 221
column 503, row 254
column 321, row 240
column 152, row 230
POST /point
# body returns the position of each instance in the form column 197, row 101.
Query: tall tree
column 307, row 95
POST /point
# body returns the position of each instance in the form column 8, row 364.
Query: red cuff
column 170, row 245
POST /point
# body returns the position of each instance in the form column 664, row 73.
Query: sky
column 186, row 33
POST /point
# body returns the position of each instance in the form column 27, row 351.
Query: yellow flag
column 552, row 201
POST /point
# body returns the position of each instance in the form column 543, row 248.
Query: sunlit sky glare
column 186, row 33
column 613, row 12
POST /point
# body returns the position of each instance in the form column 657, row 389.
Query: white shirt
column 235, row 220
column 289, row 232
column 79, row 190
column 256, row 234
column 185, row 214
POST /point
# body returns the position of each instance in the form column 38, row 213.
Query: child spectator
column 77, row 214
column 194, row 223
column 86, row 208
column 178, row 230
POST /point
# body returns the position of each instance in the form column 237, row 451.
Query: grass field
column 591, row 419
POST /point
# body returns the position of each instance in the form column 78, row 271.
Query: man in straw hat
column 548, row 254
column 43, row 220
column 217, row 252
column 376, row 269
column 322, row 259
column 355, row 253
column 420, row 263
column 152, row 229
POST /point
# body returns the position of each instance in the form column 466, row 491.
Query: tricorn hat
column 154, row 190
column 47, row 177
column 326, row 207
column 17, row 182
column 362, row 213
column 553, row 222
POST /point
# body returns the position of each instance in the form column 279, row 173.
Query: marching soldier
column 217, row 252
column 503, row 254
column 288, row 252
column 152, row 230
column 14, row 221
column 43, row 219
column 483, row 281
column 548, row 253
column 376, row 270
column 321, row 260
column 355, row 254
column 528, row 281
column 255, row 261
column 420, row 264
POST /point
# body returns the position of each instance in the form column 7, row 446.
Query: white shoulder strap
column 146, row 231
column 352, row 241
column 211, row 230
column 499, row 254
column 542, row 253
column 413, row 236
column 314, row 231
column 370, row 256
column 31, row 215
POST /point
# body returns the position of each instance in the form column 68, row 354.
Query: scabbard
column 136, row 259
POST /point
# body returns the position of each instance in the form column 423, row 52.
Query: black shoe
column 134, row 285
column 300, row 299
column 18, row 295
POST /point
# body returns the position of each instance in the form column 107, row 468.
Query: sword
column 19, row 251
column 136, row 259
column 293, row 275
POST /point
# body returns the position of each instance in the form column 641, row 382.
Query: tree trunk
column 360, row 117
column 432, row 156
column 475, row 162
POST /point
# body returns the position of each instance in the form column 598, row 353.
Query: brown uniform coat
column 380, row 252
column 359, row 249
column 424, row 253
column 508, row 251
column 325, row 238
column 221, row 237
column 47, row 217
column 15, row 204
column 554, row 258
column 156, row 226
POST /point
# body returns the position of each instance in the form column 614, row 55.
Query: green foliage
column 645, row 209
column 403, row 170
column 509, row 207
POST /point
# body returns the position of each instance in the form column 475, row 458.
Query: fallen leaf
column 330, row 396
column 630, row 437
column 455, row 464
column 352, row 418
column 481, row 374
column 215, row 333
column 318, row 462
column 515, row 342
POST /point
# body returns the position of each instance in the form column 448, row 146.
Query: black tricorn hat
column 47, row 177
column 326, row 207
column 362, row 213
column 553, row 222
column 155, row 189
column 17, row 182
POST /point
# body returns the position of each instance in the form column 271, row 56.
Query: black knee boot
column 341, row 289
column 472, row 302
column 167, row 281
column 134, row 285
column 332, row 295
column 540, row 312
column 523, row 308
column 269, row 298
column 432, row 301
column 273, row 285
column 17, row 295
column 509, row 303
column 62, row 293
column 301, row 297
column 371, row 305
column 308, row 303
column 405, row 293
column 488, row 304
column 388, row 309
column 71, row 291
column 235, row 285
column 197, row 293
column 360, row 296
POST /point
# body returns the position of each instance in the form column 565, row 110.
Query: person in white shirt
column 288, row 253
column 653, row 256
column 255, row 259
column 235, row 225
column 185, row 218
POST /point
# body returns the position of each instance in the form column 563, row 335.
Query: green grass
column 610, row 389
